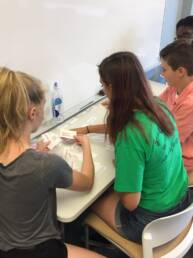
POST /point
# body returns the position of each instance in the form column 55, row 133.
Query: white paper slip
column 53, row 138
column 67, row 135
column 72, row 154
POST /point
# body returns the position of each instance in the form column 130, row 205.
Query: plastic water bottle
column 56, row 102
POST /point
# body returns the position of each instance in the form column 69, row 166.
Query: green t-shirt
column 155, row 168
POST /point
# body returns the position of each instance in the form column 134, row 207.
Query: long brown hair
column 130, row 92
column 17, row 91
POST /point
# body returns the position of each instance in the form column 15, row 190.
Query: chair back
column 165, row 229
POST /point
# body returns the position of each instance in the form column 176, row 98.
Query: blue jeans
column 131, row 224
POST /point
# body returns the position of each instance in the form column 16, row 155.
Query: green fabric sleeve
column 130, row 162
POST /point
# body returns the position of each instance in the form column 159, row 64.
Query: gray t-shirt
column 28, row 198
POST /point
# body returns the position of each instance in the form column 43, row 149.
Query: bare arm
column 41, row 146
column 83, row 180
column 99, row 128
column 130, row 200
column 105, row 103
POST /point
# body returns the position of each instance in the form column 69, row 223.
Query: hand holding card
column 67, row 136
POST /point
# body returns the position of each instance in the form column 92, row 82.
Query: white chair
column 167, row 237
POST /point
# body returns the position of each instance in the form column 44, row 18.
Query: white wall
column 186, row 8
column 192, row 8
column 174, row 11
column 64, row 40
column 171, row 16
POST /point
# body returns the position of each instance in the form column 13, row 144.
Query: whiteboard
column 64, row 40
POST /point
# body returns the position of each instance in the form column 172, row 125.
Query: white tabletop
column 71, row 204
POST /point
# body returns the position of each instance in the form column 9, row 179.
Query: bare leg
column 75, row 251
column 190, row 175
column 105, row 208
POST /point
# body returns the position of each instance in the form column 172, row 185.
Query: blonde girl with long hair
column 28, row 179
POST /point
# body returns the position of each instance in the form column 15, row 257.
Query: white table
column 71, row 204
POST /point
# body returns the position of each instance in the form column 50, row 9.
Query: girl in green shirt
column 150, row 178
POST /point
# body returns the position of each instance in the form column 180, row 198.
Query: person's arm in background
column 83, row 180
column 98, row 128
column 105, row 103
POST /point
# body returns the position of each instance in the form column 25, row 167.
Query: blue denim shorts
column 131, row 224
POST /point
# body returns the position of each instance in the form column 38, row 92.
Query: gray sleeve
column 58, row 173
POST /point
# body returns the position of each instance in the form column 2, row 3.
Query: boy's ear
column 182, row 71
column 31, row 113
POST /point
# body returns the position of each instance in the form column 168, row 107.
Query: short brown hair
column 179, row 54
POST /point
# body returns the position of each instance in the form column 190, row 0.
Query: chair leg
column 62, row 230
column 147, row 249
column 87, row 237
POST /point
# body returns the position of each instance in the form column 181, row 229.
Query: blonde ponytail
column 17, row 91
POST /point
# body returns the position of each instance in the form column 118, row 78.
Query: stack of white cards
column 67, row 136
column 52, row 138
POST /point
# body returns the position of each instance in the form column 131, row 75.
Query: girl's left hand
column 42, row 146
